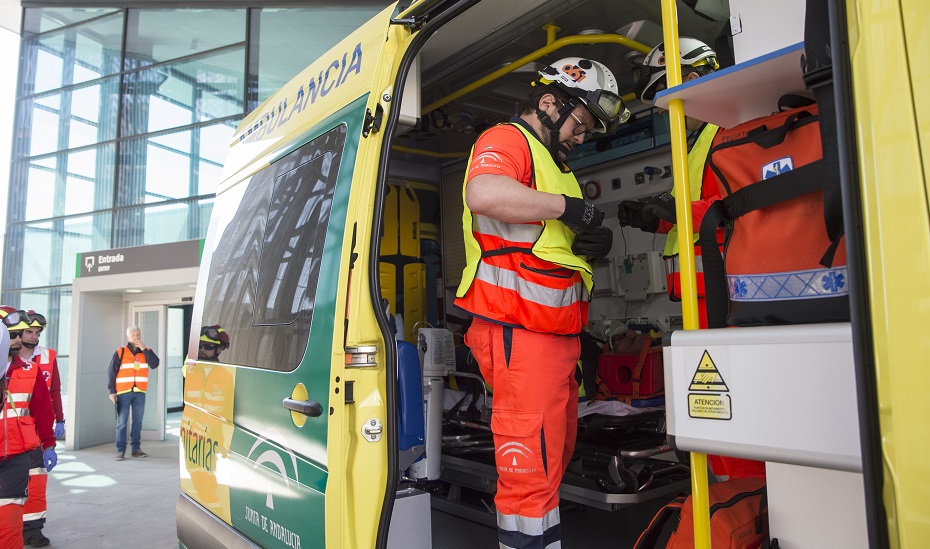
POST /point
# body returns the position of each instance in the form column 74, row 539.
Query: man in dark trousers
column 128, row 381
column 27, row 419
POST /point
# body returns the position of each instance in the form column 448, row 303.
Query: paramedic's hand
column 662, row 206
column 580, row 215
column 113, row 398
column 50, row 458
column 595, row 244
column 59, row 429
column 631, row 213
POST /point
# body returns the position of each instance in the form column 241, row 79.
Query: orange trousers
column 534, row 421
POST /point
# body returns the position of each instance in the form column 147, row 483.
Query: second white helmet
column 694, row 53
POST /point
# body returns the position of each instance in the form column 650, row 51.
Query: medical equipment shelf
column 742, row 92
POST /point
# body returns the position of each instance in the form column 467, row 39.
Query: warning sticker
column 709, row 406
column 707, row 377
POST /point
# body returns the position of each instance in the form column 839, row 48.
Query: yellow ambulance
column 339, row 415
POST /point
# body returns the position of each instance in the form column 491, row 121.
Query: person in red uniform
column 529, row 237
column 36, row 508
column 27, row 424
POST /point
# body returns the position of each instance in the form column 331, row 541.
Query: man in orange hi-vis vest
column 27, row 420
column 36, row 508
column 128, row 381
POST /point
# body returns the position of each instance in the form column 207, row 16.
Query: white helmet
column 593, row 84
column 694, row 53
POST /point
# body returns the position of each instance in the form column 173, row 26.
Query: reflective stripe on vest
column 133, row 372
column 16, row 401
column 525, row 273
column 44, row 360
column 697, row 159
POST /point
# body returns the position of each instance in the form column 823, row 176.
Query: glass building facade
column 123, row 118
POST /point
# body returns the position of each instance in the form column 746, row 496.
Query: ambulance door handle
column 310, row 408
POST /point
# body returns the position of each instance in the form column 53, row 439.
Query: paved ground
column 98, row 502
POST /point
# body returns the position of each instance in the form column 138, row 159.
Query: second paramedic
column 529, row 237
column 658, row 215
column 35, row 510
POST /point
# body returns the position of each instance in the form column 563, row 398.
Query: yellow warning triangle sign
column 707, row 377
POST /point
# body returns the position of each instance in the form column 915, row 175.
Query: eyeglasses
column 15, row 318
column 207, row 346
column 580, row 127
column 211, row 333
column 16, row 335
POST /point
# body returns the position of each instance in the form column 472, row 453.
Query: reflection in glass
column 66, row 184
column 191, row 91
column 50, row 247
column 70, row 118
column 264, row 270
column 161, row 224
column 316, row 29
column 174, row 165
column 38, row 20
column 72, row 55
column 161, row 35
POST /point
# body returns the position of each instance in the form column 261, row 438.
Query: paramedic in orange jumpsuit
column 657, row 215
column 529, row 236
column 27, row 419
column 35, row 510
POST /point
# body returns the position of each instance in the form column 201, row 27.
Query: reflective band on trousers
column 541, row 295
column 12, row 501
column 807, row 284
column 528, row 527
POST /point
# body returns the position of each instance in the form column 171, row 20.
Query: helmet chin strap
column 29, row 345
column 554, row 127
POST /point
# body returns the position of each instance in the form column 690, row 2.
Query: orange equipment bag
column 785, row 259
column 738, row 519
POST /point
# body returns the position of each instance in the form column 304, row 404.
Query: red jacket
column 47, row 361
column 40, row 405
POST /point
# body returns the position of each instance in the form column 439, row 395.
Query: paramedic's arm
column 505, row 199
column 55, row 393
column 40, row 408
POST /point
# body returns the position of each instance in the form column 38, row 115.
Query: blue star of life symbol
column 777, row 167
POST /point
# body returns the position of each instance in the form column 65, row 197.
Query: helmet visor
column 38, row 320
column 15, row 318
column 607, row 107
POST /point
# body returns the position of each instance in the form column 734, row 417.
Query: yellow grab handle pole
column 676, row 112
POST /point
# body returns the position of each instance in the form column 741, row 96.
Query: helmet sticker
column 576, row 73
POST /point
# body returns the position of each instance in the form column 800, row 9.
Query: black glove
column 580, row 216
column 663, row 206
column 595, row 244
column 633, row 214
